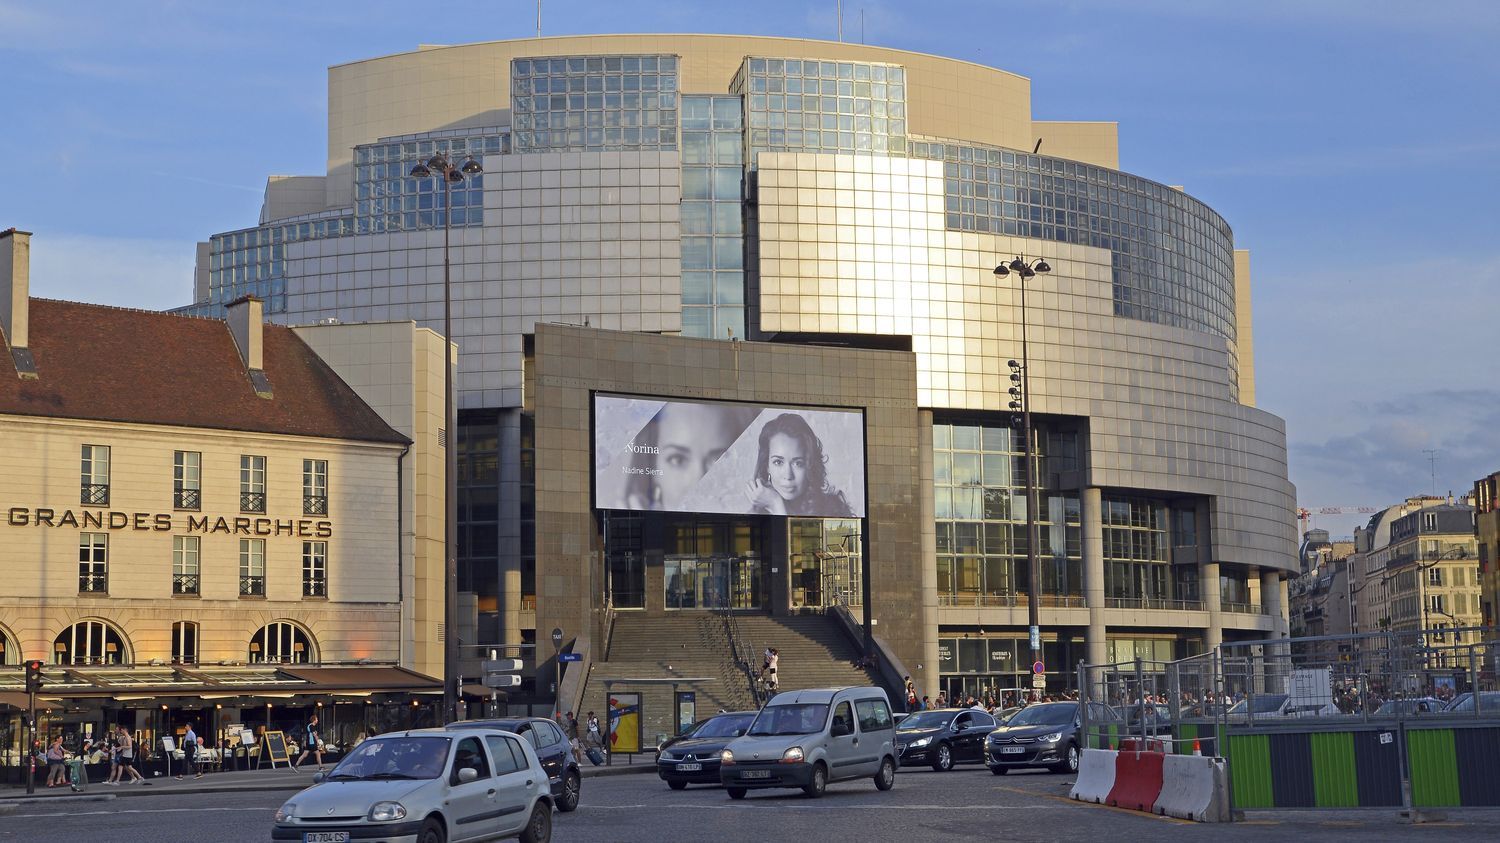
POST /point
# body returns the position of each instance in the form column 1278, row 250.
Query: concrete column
column 926, row 671
column 1271, row 597
column 1208, row 587
column 1091, row 506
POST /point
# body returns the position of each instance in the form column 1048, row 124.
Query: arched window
column 184, row 642
column 90, row 642
column 282, row 642
column 10, row 651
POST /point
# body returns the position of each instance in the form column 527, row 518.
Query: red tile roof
column 114, row 364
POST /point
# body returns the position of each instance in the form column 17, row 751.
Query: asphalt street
column 966, row 804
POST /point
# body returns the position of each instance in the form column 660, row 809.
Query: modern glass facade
column 797, row 105
column 595, row 102
column 712, row 217
column 387, row 198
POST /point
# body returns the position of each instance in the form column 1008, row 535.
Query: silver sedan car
column 425, row 786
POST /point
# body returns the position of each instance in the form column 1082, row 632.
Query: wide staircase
column 814, row 651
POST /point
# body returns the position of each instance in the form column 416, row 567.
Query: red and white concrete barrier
column 1184, row 786
column 1096, row 776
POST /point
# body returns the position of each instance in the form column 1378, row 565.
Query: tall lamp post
column 450, row 174
column 1020, row 399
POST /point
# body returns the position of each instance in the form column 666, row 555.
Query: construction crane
column 1305, row 514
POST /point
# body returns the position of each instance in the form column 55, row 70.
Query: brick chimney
column 246, row 324
column 15, row 286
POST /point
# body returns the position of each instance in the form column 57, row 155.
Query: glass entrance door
column 714, row 583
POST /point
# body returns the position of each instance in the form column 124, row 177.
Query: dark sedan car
column 552, row 749
column 943, row 737
column 693, row 756
column 1042, row 735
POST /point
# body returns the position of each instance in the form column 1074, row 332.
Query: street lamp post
column 439, row 165
column 1020, row 395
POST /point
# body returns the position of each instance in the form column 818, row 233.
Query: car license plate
column 689, row 768
column 325, row 837
column 756, row 774
column 1012, row 750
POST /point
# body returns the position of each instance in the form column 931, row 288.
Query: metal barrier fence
column 1399, row 718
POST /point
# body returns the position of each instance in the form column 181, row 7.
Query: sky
column 1353, row 145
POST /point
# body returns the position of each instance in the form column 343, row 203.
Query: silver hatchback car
column 425, row 786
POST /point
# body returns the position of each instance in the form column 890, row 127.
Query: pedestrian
column 572, row 730
column 593, row 740
column 189, row 750
column 112, row 751
column 57, row 771
column 200, row 757
column 127, row 758
column 925, row 704
column 313, row 744
column 772, row 662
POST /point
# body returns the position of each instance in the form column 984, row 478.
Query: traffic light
column 33, row 676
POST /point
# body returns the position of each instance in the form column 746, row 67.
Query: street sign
column 1038, row 667
column 501, row 665
column 557, row 638
column 1036, row 638
column 502, row 680
column 1038, row 681
column 570, row 657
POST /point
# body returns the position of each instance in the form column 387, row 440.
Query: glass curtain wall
column 824, row 555
column 713, row 226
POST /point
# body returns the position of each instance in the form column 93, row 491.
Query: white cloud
column 126, row 272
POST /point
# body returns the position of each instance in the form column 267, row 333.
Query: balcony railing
column 187, row 499
column 1153, row 603
column 252, row 586
column 93, row 583
column 1010, row 601
column 1242, row 608
column 94, row 494
column 252, row 501
column 184, row 583
column 314, row 505
column 315, row 588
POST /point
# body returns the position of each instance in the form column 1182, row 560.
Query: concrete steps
column 815, row 652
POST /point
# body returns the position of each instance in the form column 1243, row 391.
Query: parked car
column 428, row 786
column 1003, row 715
column 551, row 746
column 943, row 737
column 1278, row 707
column 1410, row 707
column 693, row 756
column 811, row 737
column 1043, row 735
column 1489, row 703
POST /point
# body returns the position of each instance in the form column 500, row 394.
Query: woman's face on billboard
column 689, row 438
column 786, row 463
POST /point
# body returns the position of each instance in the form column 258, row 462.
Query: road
column 966, row 804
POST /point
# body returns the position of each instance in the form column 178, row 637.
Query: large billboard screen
column 733, row 459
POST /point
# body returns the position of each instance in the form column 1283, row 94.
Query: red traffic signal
column 33, row 675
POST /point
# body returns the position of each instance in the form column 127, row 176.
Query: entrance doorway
column 724, row 582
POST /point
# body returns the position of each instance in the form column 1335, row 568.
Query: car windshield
column 927, row 720
column 1046, row 714
column 723, row 726
column 1488, row 700
column 394, row 758
column 1263, row 704
column 790, row 719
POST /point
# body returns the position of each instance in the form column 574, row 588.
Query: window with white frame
column 185, row 565
column 282, row 642
column 184, row 642
column 187, row 480
column 252, row 567
column 93, row 563
column 252, row 483
column 94, row 475
column 315, row 569
column 315, row 487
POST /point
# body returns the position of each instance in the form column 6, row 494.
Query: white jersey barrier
column 1193, row 788
column 1096, row 775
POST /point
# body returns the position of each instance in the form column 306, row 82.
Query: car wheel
column 432, row 832
column 571, row 789
column 539, row 827
column 1069, row 764
column 819, row 781
column 886, row 778
column 942, row 758
column 999, row 771
column 735, row 792
column 676, row 785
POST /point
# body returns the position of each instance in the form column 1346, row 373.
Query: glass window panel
column 697, row 322
column 697, row 183
column 730, row 288
column 731, row 319
column 729, row 253
column 727, row 183
column 697, row 288
column 965, row 438
column 696, row 218
column 728, row 218
column 696, row 253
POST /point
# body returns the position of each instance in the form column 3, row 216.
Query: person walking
column 312, row 743
column 127, row 758
column 112, row 751
column 593, row 740
column 571, row 727
column 189, row 751
column 773, row 661
column 57, row 771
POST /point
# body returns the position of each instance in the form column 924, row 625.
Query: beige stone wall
column 571, row 363
column 397, row 368
column 290, row 196
column 1244, row 328
column 469, row 85
column 1093, row 142
column 39, row 595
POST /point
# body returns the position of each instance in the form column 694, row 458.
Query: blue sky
column 1354, row 146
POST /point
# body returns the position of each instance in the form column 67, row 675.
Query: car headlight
column 919, row 743
column 1052, row 738
column 726, row 757
column 286, row 812
column 793, row 755
column 384, row 812
column 668, row 756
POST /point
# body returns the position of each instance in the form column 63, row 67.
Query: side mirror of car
column 319, row 777
column 467, row 774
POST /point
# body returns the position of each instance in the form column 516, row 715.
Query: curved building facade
column 839, row 206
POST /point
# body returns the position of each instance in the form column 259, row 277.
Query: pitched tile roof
column 114, row 364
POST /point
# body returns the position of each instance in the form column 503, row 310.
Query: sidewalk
column 280, row 779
